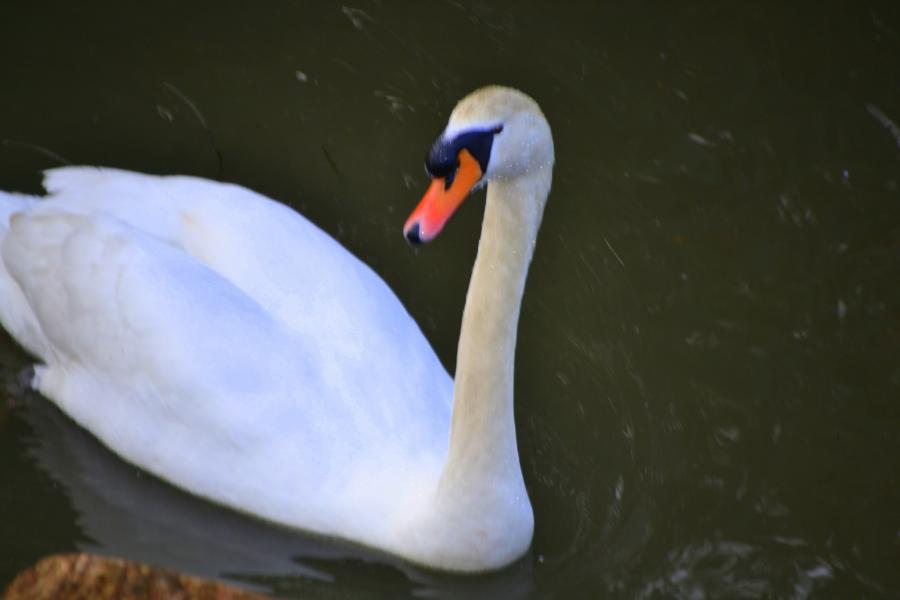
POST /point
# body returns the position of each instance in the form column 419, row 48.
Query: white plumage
column 170, row 301
column 222, row 342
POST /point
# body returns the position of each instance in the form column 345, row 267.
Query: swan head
column 495, row 133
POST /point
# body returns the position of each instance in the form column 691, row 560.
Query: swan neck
column 482, row 436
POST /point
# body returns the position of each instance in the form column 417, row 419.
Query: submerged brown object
column 90, row 577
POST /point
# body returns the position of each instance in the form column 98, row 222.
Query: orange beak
column 441, row 201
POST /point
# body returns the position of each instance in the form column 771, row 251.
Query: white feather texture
column 222, row 342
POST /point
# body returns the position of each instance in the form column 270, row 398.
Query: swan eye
column 442, row 159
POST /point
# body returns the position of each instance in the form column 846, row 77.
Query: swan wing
column 126, row 307
column 201, row 330
column 275, row 255
column 295, row 272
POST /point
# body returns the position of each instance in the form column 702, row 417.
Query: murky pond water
column 708, row 376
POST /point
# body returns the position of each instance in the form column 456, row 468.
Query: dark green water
column 708, row 375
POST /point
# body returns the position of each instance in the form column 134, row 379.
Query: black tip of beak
column 412, row 235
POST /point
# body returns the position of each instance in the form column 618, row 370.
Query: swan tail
column 16, row 314
column 10, row 204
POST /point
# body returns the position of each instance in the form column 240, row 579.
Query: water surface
column 707, row 373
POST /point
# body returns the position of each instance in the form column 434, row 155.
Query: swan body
column 219, row 340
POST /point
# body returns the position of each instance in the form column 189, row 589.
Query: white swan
column 222, row 342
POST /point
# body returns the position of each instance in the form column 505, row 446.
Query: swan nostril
column 412, row 235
